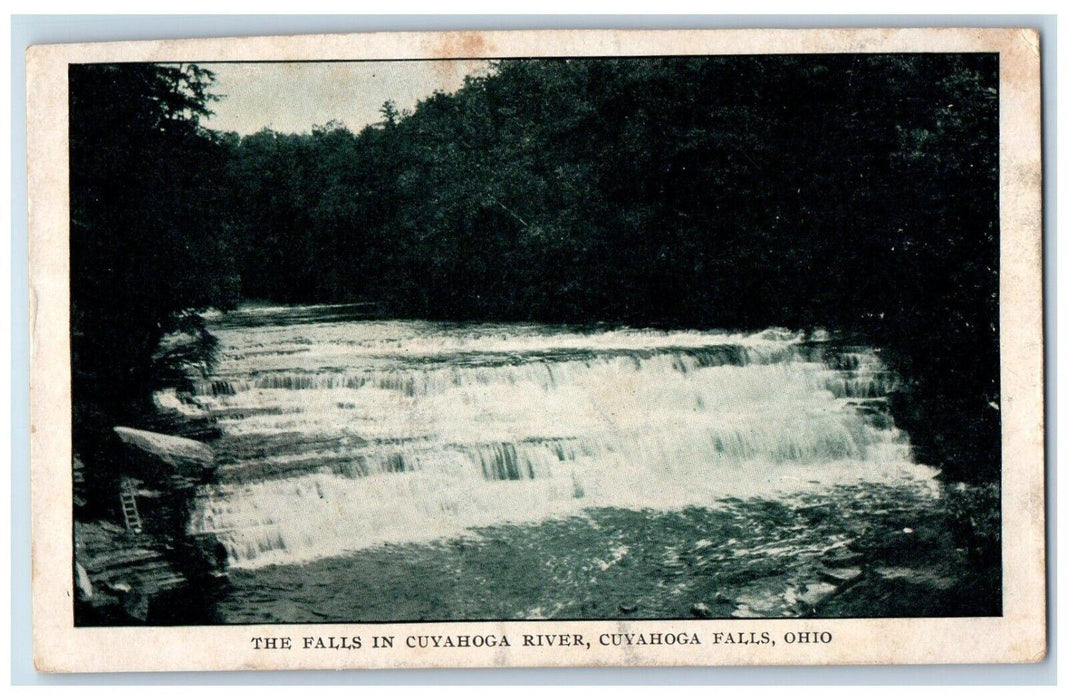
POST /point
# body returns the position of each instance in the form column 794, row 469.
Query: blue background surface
column 28, row 30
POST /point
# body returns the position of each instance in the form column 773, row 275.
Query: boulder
column 84, row 587
column 744, row 612
column 841, row 576
column 157, row 457
column 842, row 558
column 170, row 403
column 177, row 414
column 816, row 593
column 701, row 610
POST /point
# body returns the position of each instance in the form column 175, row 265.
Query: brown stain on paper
column 455, row 55
column 462, row 45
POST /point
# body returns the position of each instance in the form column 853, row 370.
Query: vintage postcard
column 558, row 348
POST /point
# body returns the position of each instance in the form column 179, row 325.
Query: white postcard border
column 1018, row 636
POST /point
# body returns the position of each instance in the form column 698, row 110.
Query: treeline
column 857, row 192
column 152, row 239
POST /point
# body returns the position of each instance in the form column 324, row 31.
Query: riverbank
column 135, row 562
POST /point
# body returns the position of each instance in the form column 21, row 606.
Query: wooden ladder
column 128, row 498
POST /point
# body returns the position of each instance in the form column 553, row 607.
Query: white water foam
column 342, row 436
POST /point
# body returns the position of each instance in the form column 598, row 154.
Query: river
column 376, row 470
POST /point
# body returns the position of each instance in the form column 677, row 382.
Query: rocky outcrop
column 138, row 572
column 841, row 577
column 114, row 568
column 180, row 414
column 156, row 457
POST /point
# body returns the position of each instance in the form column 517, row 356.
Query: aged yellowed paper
column 537, row 348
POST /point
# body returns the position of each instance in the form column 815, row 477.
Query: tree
column 150, row 237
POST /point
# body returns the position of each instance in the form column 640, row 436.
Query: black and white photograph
column 704, row 337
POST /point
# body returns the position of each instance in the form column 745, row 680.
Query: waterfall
column 342, row 435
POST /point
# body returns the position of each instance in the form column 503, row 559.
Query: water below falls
column 340, row 435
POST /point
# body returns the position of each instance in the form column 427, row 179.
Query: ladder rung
column 128, row 501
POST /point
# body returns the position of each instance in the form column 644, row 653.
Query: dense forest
column 852, row 192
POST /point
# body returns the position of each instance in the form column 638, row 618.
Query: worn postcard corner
column 496, row 349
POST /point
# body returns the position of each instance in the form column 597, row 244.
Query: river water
column 403, row 470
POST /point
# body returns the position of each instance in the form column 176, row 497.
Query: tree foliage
column 151, row 241
column 857, row 192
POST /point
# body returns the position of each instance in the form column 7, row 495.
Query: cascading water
column 340, row 435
